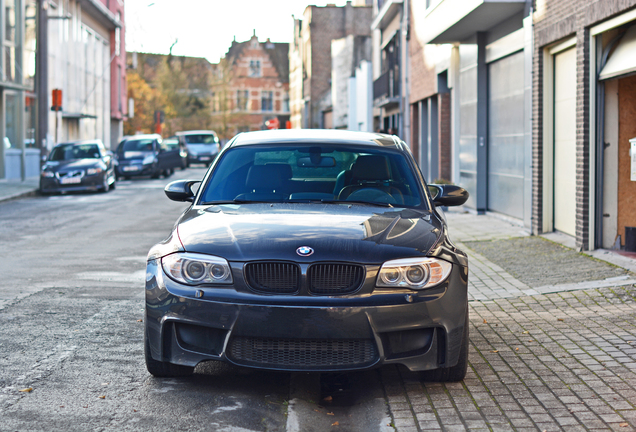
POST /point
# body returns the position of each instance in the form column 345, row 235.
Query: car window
column 171, row 143
column 73, row 151
column 308, row 173
column 136, row 145
column 201, row 139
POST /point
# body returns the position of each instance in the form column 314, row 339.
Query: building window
column 255, row 68
column 242, row 100
column 267, row 101
column 118, row 37
column 10, row 41
column 28, row 56
column 286, row 102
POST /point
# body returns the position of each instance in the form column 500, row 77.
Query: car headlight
column 195, row 269
column 48, row 174
column 413, row 273
column 149, row 159
column 93, row 171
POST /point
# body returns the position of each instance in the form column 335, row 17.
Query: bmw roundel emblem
column 304, row 251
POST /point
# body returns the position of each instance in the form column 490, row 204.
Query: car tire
column 164, row 369
column 126, row 177
column 106, row 187
column 167, row 173
column 453, row 373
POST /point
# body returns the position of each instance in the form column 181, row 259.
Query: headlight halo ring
column 196, row 269
column 414, row 273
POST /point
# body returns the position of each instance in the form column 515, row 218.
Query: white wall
column 79, row 64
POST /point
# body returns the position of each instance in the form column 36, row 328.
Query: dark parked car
column 146, row 155
column 308, row 250
column 78, row 166
column 174, row 143
column 203, row 145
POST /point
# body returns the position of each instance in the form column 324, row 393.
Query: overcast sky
column 206, row 28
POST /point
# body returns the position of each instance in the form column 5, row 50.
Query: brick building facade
column 310, row 58
column 582, row 126
column 255, row 91
column 469, row 75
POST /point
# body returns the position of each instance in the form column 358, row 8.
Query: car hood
column 71, row 164
column 335, row 232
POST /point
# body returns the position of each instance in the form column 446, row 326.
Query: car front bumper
column 421, row 330
column 87, row 183
column 131, row 170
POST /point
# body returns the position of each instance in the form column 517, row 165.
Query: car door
column 167, row 158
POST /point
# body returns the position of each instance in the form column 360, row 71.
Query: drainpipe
column 404, row 101
column 41, row 77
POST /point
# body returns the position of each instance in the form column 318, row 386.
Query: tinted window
column 136, row 145
column 71, row 151
column 200, row 139
column 171, row 143
column 310, row 173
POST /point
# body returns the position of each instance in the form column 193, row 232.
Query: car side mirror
column 181, row 190
column 448, row 195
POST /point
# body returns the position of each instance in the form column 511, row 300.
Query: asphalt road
column 71, row 351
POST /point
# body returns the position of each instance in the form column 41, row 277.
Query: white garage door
column 565, row 141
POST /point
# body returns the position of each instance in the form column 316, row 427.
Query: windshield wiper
column 328, row 201
column 368, row 203
column 239, row 201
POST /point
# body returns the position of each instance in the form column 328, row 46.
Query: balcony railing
column 386, row 88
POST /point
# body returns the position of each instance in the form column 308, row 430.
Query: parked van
column 203, row 145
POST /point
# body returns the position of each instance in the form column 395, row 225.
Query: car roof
column 293, row 137
column 196, row 132
column 81, row 142
column 141, row 136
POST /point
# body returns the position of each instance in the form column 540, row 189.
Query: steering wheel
column 372, row 195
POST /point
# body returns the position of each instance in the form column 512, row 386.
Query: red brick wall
column 325, row 24
column 423, row 79
column 445, row 146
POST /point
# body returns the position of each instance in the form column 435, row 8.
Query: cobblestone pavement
column 554, row 357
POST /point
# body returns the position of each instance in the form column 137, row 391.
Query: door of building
column 565, row 141
column 506, row 135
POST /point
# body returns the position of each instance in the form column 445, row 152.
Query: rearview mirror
column 317, row 162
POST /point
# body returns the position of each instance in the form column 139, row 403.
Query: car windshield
column 73, row 151
column 136, row 145
column 333, row 173
column 171, row 142
column 200, row 139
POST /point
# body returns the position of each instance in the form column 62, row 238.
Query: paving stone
column 541, row 357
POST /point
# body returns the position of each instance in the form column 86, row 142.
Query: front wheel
column 453, row 373
column 164, row 369
column 105, row 187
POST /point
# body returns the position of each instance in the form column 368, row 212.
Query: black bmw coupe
column 309, row 250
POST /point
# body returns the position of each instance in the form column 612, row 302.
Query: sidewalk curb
column 19, row 195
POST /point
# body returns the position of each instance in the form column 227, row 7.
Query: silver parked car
column 202, row 145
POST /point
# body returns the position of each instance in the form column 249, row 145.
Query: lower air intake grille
column 334, row 279
column 273, row 277
column 303, row 353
